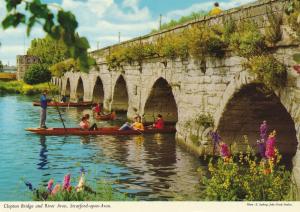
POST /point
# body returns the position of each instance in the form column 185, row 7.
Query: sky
column 101, row 20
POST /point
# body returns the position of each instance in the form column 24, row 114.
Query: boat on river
column 106, row 117
column 65, row 104
column 99, row 131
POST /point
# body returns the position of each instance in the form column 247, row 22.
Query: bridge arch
column 161, row 100
column 98, row 91
column 246, row 103
column 79, row 90
column 120, row 95
column 68, row 88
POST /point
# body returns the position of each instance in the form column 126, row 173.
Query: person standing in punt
column 43, row 114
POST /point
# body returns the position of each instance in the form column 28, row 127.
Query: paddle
column 58, row 110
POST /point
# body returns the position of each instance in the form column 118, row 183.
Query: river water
column 150, row 167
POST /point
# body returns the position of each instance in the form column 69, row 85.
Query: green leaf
column 67, row 21
column 13, row 20
column 48, row 24
column 30, row 24
column 38, row 9
column 12, row 4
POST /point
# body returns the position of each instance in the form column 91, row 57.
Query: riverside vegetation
column 245, row 177
column 20, row 87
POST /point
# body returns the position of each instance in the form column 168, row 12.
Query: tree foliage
column 1, row 66
column 37, row 73
column 48, row 50
column 61, row 25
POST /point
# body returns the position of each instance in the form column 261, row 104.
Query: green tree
column 1, row 66
column 37, row 73
column 60, row 25
column 49, row 50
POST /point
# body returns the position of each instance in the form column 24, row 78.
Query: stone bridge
column 180, row 91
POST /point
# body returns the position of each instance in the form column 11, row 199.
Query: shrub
column 204, row 120
column 268, row 70
column 205, row 40
column 293, row 16
column 273, row 32
column 59, row 69
column 246, row 178
column 20, row 87
column 248, row 41
column 37, row 73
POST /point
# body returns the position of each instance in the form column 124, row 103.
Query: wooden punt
column 111, row 116
column 100, row 131
column 65, row 104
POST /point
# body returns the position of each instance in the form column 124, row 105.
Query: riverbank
column 20, row 87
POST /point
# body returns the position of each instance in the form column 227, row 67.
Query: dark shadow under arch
column 245, row 112
column 98, row 92
column 120, row 96
column 161, row 101
column 80, row 90
column 68, row 88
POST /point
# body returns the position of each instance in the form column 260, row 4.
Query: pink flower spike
column 56, row 189
column 67, row 179
column 50, row 185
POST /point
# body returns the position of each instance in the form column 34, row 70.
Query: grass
column 182, row 20
column 20, row 87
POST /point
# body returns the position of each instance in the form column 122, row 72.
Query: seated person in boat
column 159, row 123
column 137, row 125
column 97, row 109
column 85, row 124
column 63, row 99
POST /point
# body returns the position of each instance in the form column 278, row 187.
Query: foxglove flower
column 56, row 189
column 50, row 185
column 66, row 184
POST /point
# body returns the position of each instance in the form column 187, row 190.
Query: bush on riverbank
column 246, row 178
column 81, row 192
column 20, row 87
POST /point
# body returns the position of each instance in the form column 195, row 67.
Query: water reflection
column 43, row 154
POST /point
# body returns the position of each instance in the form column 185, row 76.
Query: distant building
column 23, row 62
column 10, row 69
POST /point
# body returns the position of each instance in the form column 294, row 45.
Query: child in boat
column 159, row 123
column 85, row 124
column 137, row 125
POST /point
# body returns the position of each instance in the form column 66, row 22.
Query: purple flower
column 82, row 171
column 66, row 183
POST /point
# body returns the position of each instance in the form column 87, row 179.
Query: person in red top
column 159, row 123
column 97, row 109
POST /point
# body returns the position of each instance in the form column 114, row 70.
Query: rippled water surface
column 150, row 167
